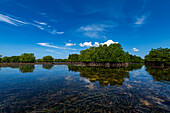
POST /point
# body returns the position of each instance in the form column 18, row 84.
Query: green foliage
column 26, row 68
column 15, row 59
column 135, row 59
column 27, row 58
column 73, row 58
column 159, row 74
column 11, row 59
column 47, row 66
column 0, row 58
column 39, row 60
column 48, row 59
column 158, row 55
column 104, row 53
column 6, row 59
column 60, row 60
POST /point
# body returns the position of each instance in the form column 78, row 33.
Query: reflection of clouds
column 136, row 73
column 46, row 78
column 90, row 86
column 137, row 81
column 85, row 80
column 69, row 78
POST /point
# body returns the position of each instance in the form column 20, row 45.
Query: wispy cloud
column 60, row 32
column 53, row 46
column 10, row 20
column 52, row 51
column 55, row 32
column 94, row 30
column 134, row 49
column 49, row 50
column 140, row 20
column 96, row 44
column 70, row 44
column 41, row 23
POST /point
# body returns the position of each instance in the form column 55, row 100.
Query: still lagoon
column 76, row 89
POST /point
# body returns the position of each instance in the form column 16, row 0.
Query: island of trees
column 113, row 53
column 158, row 57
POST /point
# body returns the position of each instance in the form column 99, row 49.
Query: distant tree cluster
column 60, row 60
column 48, row 59
column 104, row 53
column 74, row 57
column 24, row 58
column 158, row 55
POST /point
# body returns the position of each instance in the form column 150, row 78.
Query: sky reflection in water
column 62, row 88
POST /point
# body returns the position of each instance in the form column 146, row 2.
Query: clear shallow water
column 62, row 88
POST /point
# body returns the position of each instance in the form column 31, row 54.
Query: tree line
column 115, row 53
column 158, row 56
column 29, row 58
column 103, row 53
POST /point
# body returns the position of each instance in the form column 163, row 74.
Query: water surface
column 63, row 88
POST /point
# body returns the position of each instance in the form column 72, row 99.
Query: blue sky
column 60, row 27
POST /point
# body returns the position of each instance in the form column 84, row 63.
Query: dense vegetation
column 113, row 53
column 104, row 53
column 24, row 58
column 48, row 59
column 60, row 60
column 159, row 55
column 159, row 74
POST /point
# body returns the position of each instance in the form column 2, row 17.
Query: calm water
column 62, row 88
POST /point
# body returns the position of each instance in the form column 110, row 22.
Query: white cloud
column 140, row 21
column 87, row 44
column 70, row 44
column 42, row 23
column 92, row 28
column 109, row 42
column 55, row 32
column 10, row 20
column 49, row 50
column 134, row 49
column 53, row 46
column 60, row 32
column 94, row 31
column 96, row 44
column 38, row 26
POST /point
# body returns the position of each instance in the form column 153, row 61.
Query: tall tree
column 159, row 55
column 48, row 59
column 27, row 58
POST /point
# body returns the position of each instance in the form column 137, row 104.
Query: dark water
column 72, row 89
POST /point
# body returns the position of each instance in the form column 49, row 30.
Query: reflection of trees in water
column 22, row 68
column 48, row 66
column 26, row 68
column 105, row 76
column 159, row 74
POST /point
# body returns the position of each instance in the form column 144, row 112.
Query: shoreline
column 91, row 64
column 101, row 64
column 38, row 63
